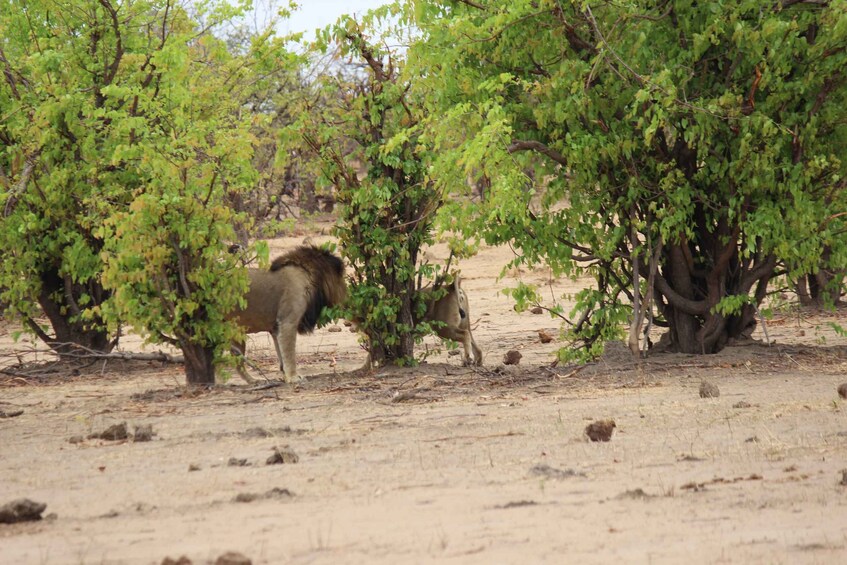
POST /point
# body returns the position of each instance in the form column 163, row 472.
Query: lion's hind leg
column 286, row 340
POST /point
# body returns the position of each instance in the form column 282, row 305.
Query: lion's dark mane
column 325, row 270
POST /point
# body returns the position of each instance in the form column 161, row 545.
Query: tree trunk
column 403, row 349
column 308, row 199
column 67, row 335
column 822, row 288
column 689, row 298
column 199, row 366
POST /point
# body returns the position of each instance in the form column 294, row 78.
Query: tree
column 58, row 178
column 365, row 139
column 685, row 153
column 278, row 82
column 123, row 141
column 166, row 258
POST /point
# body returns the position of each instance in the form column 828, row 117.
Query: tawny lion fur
column 288, row 298
column 454, row 312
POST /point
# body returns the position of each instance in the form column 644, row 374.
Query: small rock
column 143, row 433
column 233, row 558
column 842, row 390
column 601, row 430
column 334, row 329
column 181, row 561
column 537, row 310
column 76, row 439
column 193, row 467
column 115, row 432
column 741, row 404
column 10, row 414
column 235, row 462
column 709, row 390
column 843, row 478
column 752, row 439
column 21, row 510
column 453, row 352
column 513, row 357
column 283, row 455
column 348, row 323
column 544, row 336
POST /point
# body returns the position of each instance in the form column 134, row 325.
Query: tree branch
column 112, row 69
column 540, row 148
column 687, row 305
column 472, row 4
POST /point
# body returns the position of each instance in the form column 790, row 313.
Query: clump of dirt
column 843, row 478
column 546, row 471
column 143, row 432
column 512, row 357
column 233, row 558
column 544, row 337
column 600, row 430
column 181, row 561
column 115, row 432
column 635, row 494
column 21, row 510
column 742, row 404
column 260, row 433
column 516, row 504
column 842, row 390
column 10, row 413
column 275, row 493
column 283, row 454
column 709, row 390
column 236, row 462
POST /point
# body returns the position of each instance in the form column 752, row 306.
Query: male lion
column 288, row 299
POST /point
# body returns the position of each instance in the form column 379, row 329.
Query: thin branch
column 112, row 69
column 540, row 148
column 472, row 4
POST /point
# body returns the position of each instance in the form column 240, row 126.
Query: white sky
column 317, row 14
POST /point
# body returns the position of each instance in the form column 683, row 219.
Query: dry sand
column 441, row 463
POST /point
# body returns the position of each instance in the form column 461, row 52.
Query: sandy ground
column 442, row 463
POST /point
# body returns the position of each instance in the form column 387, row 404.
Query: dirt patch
column 441, row 462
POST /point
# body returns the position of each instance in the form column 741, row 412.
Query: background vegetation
column 686, row 155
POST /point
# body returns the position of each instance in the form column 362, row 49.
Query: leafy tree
column 58, row 178
column 365, row 140
column 123, row 142
column 683, row 152
column 277, row 83
column 166, row 257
